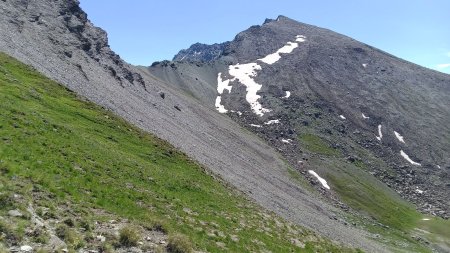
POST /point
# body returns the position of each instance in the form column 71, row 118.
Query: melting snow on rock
column 321, row 180
column 380, row 134
column 402, row 153
column 271, row 122
column 288, row 94
column 399, row 137
column 219, row 106
column 245, row 73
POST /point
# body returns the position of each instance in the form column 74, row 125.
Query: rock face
column 56, row 38
column 352, row 95
column 201, row 52
column 59, row 36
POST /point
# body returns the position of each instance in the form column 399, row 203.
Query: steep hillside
column 57, row 39
column 364, row 127
column 69, row 167
column 309, row 80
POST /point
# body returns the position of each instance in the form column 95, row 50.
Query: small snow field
column 321, row 180
column 288, row 94
column 223, row 84
column 219, row 106
column 402, row 153
column 287, row 141
column 271, row 122
column 380, row 134
column 399, row 137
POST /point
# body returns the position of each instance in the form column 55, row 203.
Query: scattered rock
column 162, row 94
column 26, row 248
column 101, row 238
column 15, row 213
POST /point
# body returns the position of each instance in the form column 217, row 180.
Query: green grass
column 313, row 143
column 52, row 141
column 375, row 202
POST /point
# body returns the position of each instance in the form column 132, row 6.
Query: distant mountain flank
column 355, row 97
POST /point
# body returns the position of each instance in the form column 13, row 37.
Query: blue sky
column 143, row 31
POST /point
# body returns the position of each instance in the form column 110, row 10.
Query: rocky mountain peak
column 68, row 36
column 199, row 52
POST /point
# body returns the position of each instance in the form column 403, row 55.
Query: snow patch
column 300, row 38
column 253, row 125
column 380, row 134
column 364, row 65
column 288, row 141
column 238, row 112
column 287, row 49
column 426, row 219
column 219, row 106
column 438, row 166
column 402, row 153
column 271, row 122
column 364, row 116
column 288, row 94
column 245, row 73
column 321, row 180
column 342, row 117
column 399, row 137
column 223, row 84
column 419, row 191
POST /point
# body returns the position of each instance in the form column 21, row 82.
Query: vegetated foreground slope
column 68, row 167
column 57, row 39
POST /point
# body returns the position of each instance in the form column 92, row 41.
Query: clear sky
column 144, row 31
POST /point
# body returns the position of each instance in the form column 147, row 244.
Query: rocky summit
column 311, row 127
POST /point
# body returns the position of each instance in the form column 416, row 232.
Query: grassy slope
column 52, row 141
column 364, row 193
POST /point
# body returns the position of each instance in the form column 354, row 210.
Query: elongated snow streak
column 288, row 141
column 399, row 137
column 364, row 116
column 380, row 134
column 271, row 122
column 408, row 159
column 288, row 94
column 219, row 106
column 321, row 180
column 245, row 74
column 253, row 125
column 342, row 116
